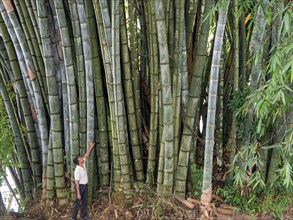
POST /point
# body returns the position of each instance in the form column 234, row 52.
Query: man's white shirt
column 80, row 174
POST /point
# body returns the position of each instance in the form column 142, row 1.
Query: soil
column 145, row 206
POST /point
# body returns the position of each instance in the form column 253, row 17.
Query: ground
column 145, row 206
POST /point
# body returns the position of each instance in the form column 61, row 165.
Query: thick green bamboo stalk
column 134, row 54
column 279, row 127
column 160, row 149
column 256, row 42
column 88, row 81
column 103, row 147
column 93, row 34
column 129, row 99
column 203, row 113
column 66, row 116
column 78, row 45
column 167, row 8
column 191, row 119
column 206, row 195
column 160, row 176
column 258, row 52
column 257, row 45
column 154, row 115
column 119, row 102
column 276, row 23
column 190, row 20
column 180, row 71
column 54, row 103
column 90, row 101
column 232, row 142
column 242, row 51
column 171, row 13
column 104, row 28
column 58, row 58
column 72, row 93
column 184, row 76
column 220, row 115
column 168, row 135
column 50, row 191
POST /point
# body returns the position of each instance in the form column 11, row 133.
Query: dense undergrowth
column 273, row 202
column 147, row 204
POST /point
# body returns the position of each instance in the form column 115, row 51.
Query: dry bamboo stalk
column 184, row 202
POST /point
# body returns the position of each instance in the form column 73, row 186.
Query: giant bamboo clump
column 133, row 76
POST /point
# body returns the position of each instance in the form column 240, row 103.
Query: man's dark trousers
column 82, row 203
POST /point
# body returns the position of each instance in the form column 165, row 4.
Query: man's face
column 80, row 161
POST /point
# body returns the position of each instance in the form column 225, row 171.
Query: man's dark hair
column 75, row 161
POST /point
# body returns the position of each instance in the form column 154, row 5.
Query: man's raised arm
column 88, row 153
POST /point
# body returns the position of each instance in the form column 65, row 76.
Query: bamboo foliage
column 25, row 170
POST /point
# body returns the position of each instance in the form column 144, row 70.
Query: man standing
column 81, row 187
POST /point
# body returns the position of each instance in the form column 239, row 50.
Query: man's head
column 78, row 161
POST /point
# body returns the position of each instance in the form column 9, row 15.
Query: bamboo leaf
column 287, row 22
column 247, row 18
column 259, row 126
column 292, row 72
column 288, row 88
column 286, row 67
column 283, row 97
column 270, row 146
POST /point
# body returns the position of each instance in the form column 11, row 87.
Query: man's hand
column 91, row 146
column 91, row 143
column 77, row 190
